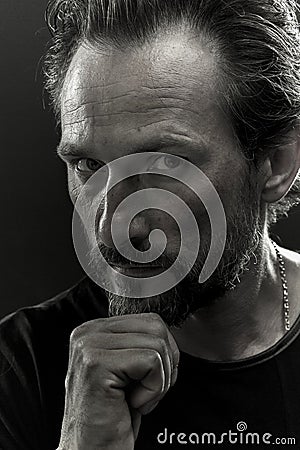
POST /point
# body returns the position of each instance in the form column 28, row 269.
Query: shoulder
column 53, row 318
column 34, row 346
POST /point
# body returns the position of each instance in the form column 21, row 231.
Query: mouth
column 138, row 271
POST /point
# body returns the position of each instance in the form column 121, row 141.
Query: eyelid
column 72, row 163
column 74, row 160
column 69, row 158
column 168, row 154
column 173, row 155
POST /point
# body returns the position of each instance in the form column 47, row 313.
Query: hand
column 119, row 369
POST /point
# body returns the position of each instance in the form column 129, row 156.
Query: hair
column 258, row 43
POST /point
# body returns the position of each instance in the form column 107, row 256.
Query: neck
column 246, row 321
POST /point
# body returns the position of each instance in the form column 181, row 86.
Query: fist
column 119, row 369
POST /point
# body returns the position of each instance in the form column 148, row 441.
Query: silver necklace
column 285, row 291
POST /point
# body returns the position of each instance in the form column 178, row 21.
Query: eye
column 86, row 165
column 167, row 162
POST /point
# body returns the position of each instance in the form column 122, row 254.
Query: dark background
column 37, row 257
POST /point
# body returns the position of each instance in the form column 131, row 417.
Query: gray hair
column 258, row 43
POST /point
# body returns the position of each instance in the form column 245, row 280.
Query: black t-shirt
column 258, row 395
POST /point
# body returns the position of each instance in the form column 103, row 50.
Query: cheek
column 183, row 228
column 233, row 181
column 74, row 186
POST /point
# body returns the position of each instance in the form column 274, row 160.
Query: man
column 183, row 85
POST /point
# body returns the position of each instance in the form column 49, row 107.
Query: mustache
column 165, row 261
column 114, row 257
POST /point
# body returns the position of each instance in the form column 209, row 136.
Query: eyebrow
column 66, row 149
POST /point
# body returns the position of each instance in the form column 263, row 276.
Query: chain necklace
column 285, row 291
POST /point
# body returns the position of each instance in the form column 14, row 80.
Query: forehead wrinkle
column 107, row 109
column 77, row 75
column 71, row 107
column 168, row 134
column 71, row 104
column 98, row 119
column 160, row 91
column 175, row 120
column 154, row 87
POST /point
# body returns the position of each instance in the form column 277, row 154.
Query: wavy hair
column 258, row 43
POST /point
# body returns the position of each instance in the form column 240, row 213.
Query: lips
column 138, row 271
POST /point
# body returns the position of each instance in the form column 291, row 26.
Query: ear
column 280, row 169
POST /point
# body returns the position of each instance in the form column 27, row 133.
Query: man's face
column 165, row 97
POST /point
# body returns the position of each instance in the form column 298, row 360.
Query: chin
column 174, row 306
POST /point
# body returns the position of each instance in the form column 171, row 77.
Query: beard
column 244, row 237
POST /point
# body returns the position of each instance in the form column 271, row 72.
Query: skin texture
column 116, row 102
column 147, row 358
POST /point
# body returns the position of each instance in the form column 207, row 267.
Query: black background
column 36, row 251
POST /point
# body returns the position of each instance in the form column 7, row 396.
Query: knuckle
column 154, row 358
column 107, row 387
column 76, row 335
column 157, row 324
column 176, row 357
column 77, row 346
column 161, row 345
column 88, row 359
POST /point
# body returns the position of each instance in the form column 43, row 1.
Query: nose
column 139, row 227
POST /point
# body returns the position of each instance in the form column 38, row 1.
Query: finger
column 136, row 422
column 149, row 323
column 131, row 323
column 139, row 341
column 175, row 357
column 145, row 367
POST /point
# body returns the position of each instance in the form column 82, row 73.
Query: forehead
column 167, row 86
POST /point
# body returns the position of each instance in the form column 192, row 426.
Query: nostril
column 140, row 244
column 139, row 231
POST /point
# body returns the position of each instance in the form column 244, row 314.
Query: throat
column 245, row 322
